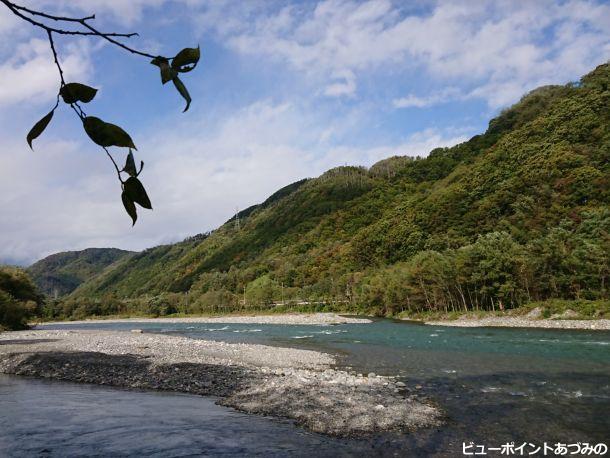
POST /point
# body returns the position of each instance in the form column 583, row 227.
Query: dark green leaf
column 183, row 92
column 186, row 60
column 39, row 127
column 130, row 165
column 136, row 192
column 106, row 134
column 167, row 72
column 130, row 207
column 76, row 92
column 157, row 60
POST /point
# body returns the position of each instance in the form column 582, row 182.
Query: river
column 495, row 385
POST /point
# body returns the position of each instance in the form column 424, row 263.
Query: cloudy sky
column 284, row 90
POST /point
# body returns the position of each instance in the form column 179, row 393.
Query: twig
column 19, row 11
column 83, row 21
column 79, row 111
column 50, row 16
column 119, row 44
column 15, row 10
column 61, row 72
column 118, row 172
column 75, row 106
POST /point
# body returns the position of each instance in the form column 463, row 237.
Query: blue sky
column 284, row 90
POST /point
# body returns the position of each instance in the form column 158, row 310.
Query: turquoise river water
column 495, row 385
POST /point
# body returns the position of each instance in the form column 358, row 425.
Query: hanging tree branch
column 55, row 58
column 100, row 132
column 107, row 37
column 17, row 10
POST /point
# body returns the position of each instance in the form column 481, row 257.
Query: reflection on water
column 51, row 418
column 495, row 385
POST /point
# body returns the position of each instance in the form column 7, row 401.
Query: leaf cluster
column 185, row 61
column 73, row 94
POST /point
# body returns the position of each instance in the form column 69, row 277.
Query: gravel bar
column 524, row 322
column 287, row 318
column 282, row 382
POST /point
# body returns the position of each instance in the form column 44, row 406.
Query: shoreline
column 284, row 318
column 292, row 383
column 326, row 319
column 524, row 322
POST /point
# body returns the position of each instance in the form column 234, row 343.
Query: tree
column 19, row 298
column 74, row 94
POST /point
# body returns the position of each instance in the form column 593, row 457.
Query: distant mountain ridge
column 61, row 273
column 519, row 213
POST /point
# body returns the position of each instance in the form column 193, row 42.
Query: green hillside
column 19, row 299
column 518, row 214
column 62, row 273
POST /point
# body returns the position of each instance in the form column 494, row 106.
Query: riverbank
column 284, row 318
column 558, row 314
column 283, row 382
column 533, row 319
column 536, row 317
column 523, row 322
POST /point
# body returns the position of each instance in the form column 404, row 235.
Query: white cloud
column 127, row 12
column 498, row 50
column 30, row 73
column 68, row 196
column 417, row 144
column 8, row 24
column 344, row 84
column 436, row 98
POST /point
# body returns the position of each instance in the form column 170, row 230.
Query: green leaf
column 186, row 60
column 106, row 134
column 183, row 92
column 157, row 60
column 130, row 165
column 136, row 192
column 130, row 207
column 167, row 72
column 76, row 92
column 39, row 127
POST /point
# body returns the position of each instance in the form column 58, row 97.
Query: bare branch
column 50, row 16
column 61, row 72
column 119, row 44
column 118, row 172
column 16, row 9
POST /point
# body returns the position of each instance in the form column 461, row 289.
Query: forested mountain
column 61, row 273
column 517, row 214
